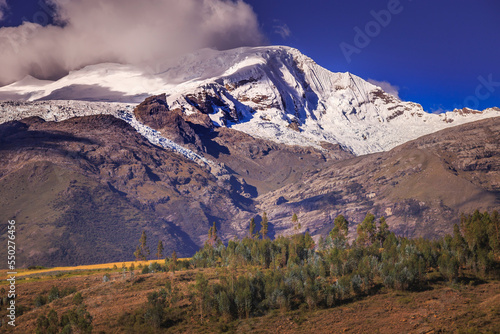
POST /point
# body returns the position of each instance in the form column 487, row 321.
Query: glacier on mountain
column 57, row 111
column 275, row 93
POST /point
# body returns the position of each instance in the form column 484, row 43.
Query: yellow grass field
column 24, row 272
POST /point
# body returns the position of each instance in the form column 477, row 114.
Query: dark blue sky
column 442, row 54
column 433, row 50
column 27, row 10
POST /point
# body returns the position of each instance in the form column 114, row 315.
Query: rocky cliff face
column 81, row 190
column 421, row 187
column 263, row 164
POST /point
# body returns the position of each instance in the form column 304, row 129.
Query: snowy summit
column 275, row 93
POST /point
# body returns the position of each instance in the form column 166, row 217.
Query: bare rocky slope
column 83, row 189
column 264, row 165
column 421, row 187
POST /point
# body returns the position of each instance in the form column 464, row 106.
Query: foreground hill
column 258, row 285
column 442, row 308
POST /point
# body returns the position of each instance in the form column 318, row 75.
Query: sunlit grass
column 119, row 265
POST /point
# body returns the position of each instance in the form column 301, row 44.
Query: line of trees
column 294, row 272
column 335, row 270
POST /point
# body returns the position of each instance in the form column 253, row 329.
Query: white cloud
column 386, row 86
column 3, row 6
column 125, row 31
column 437, row 110
column 283, row 30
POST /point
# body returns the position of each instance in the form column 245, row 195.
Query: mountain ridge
column 233, row 134
column 275, row 93
column 98, row 171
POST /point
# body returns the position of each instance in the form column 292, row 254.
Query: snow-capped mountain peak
column 275, row 92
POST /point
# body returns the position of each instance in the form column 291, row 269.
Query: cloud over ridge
column 3, row 6
column 124, row 31
column 386, row 86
